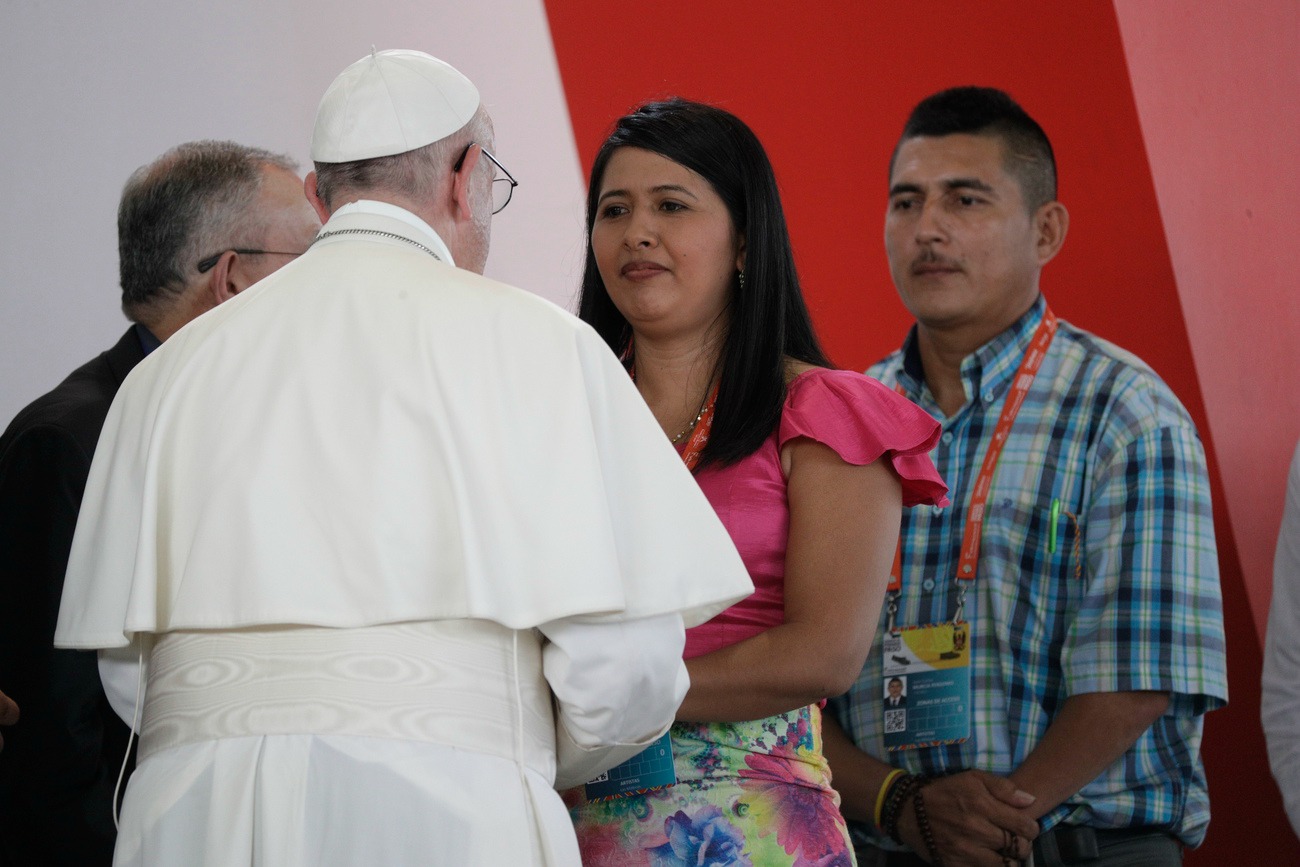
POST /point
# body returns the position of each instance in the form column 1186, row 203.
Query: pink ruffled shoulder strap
column 863, row 420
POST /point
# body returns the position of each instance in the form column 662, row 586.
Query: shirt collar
column 420, row 230
column 986, row 372
column 148, row 343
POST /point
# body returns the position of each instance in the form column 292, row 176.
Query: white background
column 91, row 90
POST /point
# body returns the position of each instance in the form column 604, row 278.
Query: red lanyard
column 699, row 437
column 970, row 540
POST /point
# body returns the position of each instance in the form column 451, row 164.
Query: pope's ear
column 317, row 203
column 461, row 181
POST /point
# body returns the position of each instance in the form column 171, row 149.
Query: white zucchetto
column 391, row 102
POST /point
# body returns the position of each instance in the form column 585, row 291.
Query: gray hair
column 195, row 200
column 416, row 173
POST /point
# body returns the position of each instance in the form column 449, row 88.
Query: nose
column 641, row 233
column 931, row 227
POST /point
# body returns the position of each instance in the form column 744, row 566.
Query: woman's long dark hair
column 768, row 318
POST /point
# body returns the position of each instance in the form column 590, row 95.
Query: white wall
column 91, row 90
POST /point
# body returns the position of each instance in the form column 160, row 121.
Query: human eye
column 902, row 203
column 671, row 206
column 612, row 210
column 967, row 199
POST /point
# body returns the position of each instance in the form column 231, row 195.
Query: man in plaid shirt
column 1094, row 610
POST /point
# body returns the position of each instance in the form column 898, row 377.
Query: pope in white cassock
column 400, row 547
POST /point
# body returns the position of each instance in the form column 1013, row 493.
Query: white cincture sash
column 468, row 684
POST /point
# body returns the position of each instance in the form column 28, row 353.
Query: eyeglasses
column 502, row 188
column 208, row 263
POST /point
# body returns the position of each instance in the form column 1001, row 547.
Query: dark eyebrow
column 896, row 189
column 605, row 195
column 662, row 188
column 950, row 184
column 673, row 188
column 967, row 184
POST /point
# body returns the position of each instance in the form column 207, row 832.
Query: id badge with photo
column 925, row 690
column 652, row 768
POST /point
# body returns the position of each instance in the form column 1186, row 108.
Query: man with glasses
column 402, row 546
column 195, row 227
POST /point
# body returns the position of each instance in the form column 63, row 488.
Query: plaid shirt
column 1128, row 600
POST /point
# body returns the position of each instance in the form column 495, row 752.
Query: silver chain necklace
column 379, row 232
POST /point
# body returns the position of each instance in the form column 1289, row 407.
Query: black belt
column 1068, row 844
column 1080, row 844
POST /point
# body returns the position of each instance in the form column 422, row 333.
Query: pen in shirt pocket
column 1053, row 517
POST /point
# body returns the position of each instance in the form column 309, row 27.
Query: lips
column 641, row 270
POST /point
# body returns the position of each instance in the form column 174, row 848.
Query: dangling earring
column 740, row 275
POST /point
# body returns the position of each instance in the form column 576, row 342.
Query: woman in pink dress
column 690, row 279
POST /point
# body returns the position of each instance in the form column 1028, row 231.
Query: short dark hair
column 189, row 203
column 768, row 319
column 990, row 112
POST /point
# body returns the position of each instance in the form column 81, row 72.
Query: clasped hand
column 976, row 818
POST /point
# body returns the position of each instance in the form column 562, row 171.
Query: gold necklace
column 690, row 427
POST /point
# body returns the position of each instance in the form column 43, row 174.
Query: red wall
column 828, row 92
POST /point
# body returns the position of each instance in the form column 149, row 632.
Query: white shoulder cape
column 372, row 436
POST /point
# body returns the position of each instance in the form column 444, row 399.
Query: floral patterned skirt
column 752, row 793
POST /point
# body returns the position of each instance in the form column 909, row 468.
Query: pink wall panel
column 828, row 92
column 1216, row 91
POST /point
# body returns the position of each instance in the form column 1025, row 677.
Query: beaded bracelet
column 923, row 825
column 898, row 795
column 894, row 803
column 884, row 789
column 890, row 807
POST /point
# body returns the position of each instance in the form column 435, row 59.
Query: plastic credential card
column 652, row 768
column 926, row 686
